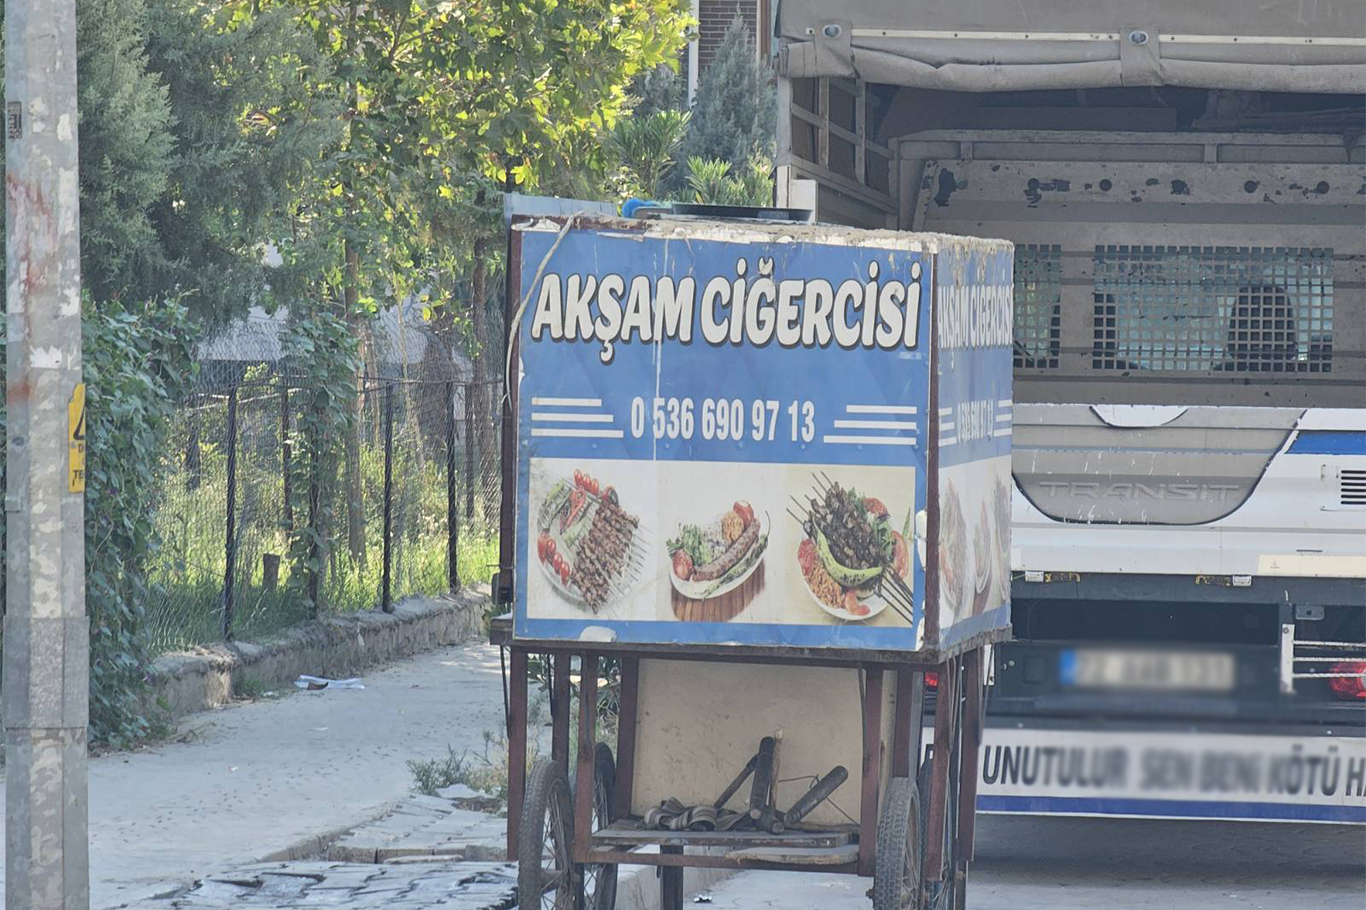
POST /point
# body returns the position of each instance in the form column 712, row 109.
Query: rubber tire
column 900, row 837
column 605, row 774
column 938, row 900
column 546, row 787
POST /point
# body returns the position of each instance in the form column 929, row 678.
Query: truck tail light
column 1352, row 685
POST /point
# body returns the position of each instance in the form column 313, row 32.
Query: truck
column 1185, row 186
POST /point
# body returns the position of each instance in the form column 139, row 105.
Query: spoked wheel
column 600, row 880
column 545, row 870
column 943, row 894
column 897, row 862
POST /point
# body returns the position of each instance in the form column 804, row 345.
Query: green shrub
column 136, row 366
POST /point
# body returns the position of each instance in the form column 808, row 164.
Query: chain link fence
column 414, row 509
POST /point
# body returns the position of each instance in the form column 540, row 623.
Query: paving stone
column 351, row 880
column 388, row 853
column 428, row 802
column 486, row 853
column 428, row 858
column 352, row 853
column 209, row 891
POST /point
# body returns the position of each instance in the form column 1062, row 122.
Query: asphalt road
column 1116, row 864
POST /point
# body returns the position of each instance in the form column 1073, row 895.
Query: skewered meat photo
column 586, row 543
column 854, row 563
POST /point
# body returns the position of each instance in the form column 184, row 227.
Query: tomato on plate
column 564, row 572
column 875, row 506
column 901, row 554
column 806, row 555
column 682, row 565
column 592, row 484
column 745, row 511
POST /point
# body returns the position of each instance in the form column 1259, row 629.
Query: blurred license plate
column 1108, row 669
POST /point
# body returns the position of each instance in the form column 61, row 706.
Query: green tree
column 249, row 131
column 643, row 146
column 658, row 89
column 441, row 98
column 713, row 182
column 125, row 145
column 734, row 112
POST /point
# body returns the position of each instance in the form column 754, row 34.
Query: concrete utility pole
column 47, row 635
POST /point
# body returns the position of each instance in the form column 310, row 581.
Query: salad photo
column 586, row 544
column 710, row 560
column 854, row 563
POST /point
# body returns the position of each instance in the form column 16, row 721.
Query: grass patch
column 485, row 771
column 185, row 606
column 251, row 688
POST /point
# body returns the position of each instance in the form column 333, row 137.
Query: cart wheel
column 600, row 880
column 900, row 848
column 545, row 871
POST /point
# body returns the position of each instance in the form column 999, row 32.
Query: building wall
column 715, row 16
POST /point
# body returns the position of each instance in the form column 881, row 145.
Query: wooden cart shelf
column 631, row 834
column 622, row 842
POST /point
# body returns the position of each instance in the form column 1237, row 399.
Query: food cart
column 763, row 469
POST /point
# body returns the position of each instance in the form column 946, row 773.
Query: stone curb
column 332, row 646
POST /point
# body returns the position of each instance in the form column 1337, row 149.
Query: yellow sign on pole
column 75, row 422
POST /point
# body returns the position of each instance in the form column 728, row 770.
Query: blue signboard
column 974, row 303
column 722, row 435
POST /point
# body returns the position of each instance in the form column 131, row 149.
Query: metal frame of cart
column 913, row 837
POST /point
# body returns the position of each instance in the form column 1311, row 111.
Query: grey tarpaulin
column 987, row 45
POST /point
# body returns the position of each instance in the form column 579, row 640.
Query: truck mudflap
column 1140, row 774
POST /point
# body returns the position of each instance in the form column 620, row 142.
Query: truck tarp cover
column 988, row 45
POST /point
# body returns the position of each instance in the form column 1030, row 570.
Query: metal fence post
column 469, row 453
column 285, row 456
column 452, row 510
column 230, row 547
column 385, row 601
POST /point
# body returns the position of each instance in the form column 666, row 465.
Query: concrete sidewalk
column 250, row 781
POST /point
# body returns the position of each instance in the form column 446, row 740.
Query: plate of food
column 587, row 545
column 850, row 554
column 1001, row 502
column 983, row 560
column 954, row 570
column 712, row 559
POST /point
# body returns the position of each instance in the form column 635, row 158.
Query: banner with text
column 721, row 434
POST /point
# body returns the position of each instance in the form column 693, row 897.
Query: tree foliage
column 321, row 357
column 137, row 362
column 331, row 156
column 734, row 112
column 249, row 132
column 643, row 146
column 713, row 182
column 658, row 89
